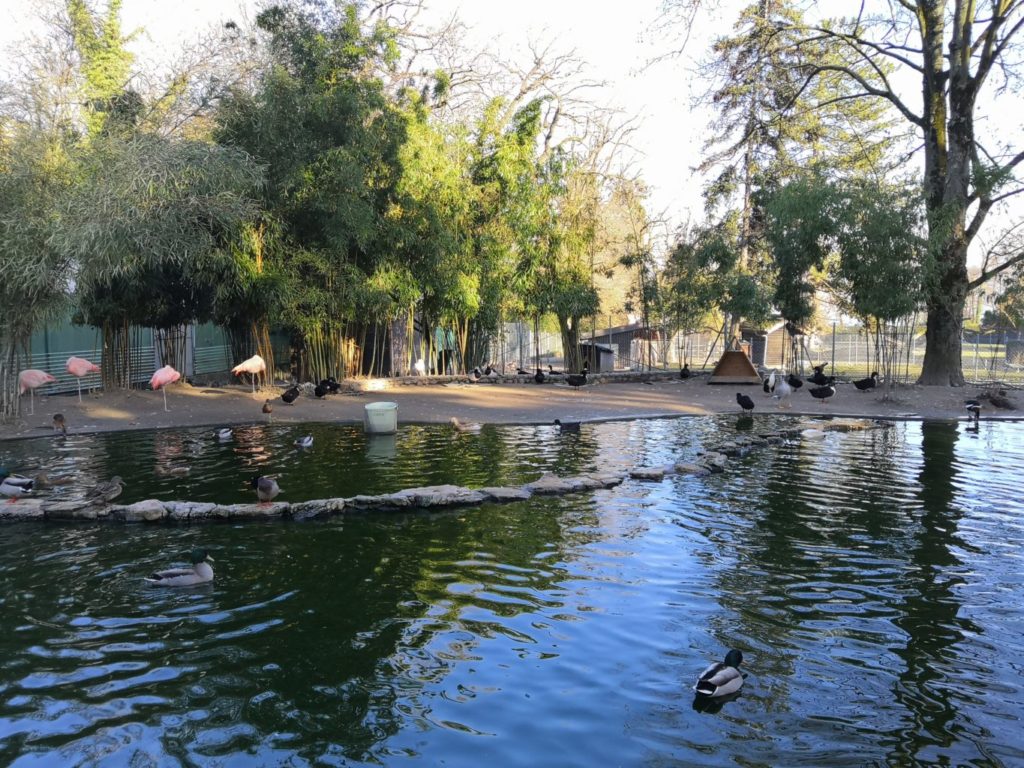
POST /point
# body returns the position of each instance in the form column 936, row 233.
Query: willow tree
column 146, row 207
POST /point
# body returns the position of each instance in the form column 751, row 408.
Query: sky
column 617, row 40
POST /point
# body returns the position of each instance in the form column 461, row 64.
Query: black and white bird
column 321, row 390
column 794, row 381
column 745, row 402
column 289, row 395
column 304, row 442
column 823, row 393
column 522, row 372
column 224, row 433
column 973, row 409
column 869, row 383
column 722, row 677
column 266, row 488
column 769, row 383
column 566, row 427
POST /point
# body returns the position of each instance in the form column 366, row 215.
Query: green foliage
column 867, row 233
column 105, row 62
column 148, row 202
column 35, row 174
column 802, row 222
column 704, row 275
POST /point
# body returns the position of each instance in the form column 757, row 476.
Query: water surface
column 872, row 580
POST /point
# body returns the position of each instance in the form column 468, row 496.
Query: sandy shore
column 501, row 403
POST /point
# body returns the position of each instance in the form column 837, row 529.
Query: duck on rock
column 14, row 486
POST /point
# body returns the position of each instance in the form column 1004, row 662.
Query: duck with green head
column 722, row 677
column 199, row 573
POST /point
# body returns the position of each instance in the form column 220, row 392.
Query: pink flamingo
column 163, row 377
column 79, row 367
column 254, row 365
column 29, row 380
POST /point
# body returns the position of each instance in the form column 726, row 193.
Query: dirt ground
column 500, row 403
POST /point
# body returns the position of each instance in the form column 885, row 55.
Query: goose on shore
column 199, row 573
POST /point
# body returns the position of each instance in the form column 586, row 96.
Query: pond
column 872, row 579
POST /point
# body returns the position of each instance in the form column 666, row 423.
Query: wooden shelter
column 734, row 368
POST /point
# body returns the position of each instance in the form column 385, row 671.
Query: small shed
column 767, row 344
column 734, row 368
column 600, row 356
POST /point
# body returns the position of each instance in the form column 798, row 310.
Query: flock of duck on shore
column 782, row 386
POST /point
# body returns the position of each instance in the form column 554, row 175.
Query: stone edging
column 429, row 497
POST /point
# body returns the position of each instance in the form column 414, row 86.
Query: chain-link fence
column 986, row 357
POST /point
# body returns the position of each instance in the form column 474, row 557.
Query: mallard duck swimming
column 722, row 677
column 266, row 488
column 15, row 486
column 162, row 471
column 107, row 491
column 199, row 573
column 467, row 427
column 304, row 442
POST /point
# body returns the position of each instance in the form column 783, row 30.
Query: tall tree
column 961, row 54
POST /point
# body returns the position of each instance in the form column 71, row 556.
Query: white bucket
column 381, row 418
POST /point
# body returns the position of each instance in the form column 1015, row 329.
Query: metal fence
column 986, row 357
column 208, row 353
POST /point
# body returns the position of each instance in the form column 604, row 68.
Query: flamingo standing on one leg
column 79, row 367
column 254, row 365
column 29, row 380
column 163, row 377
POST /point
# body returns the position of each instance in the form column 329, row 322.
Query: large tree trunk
column 942, row 356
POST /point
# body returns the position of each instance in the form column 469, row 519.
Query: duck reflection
column 712, row 705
